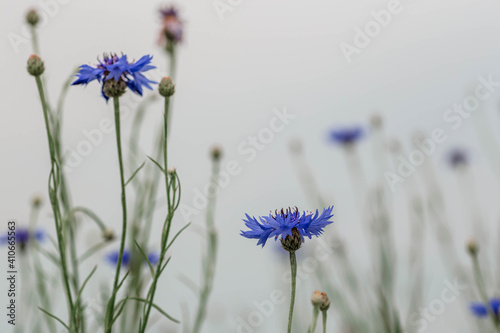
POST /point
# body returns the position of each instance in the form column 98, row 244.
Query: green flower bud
column 35, row 65
column 113, row 88
column 108, row 235
column 166, row 87
column 472, row 247
column 216, row 152
column 32, row 17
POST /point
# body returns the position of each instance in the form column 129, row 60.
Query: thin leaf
column 146, row 258
column 157, row 164
column 177, row 235
column 84, row 284
column 156, row 307
column 55, row 317
column 135, row 173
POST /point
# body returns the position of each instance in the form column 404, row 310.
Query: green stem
column 111, row 305
column 210, row 259
column 315, row 319
column 324, row 321
column 168, row 219
column 293, row 266
column 34, row 41
column 54, row 176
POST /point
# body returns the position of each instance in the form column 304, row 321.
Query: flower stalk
column 111, row 304
column 293, row 266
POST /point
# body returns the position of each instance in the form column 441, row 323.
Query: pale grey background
column 232, row 74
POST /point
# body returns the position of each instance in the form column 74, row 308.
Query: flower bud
column 166, row 87
column 376, row 121
column 32, row 17
column 35, row 65
column 316, row 299
column 108, row 235
column 292, row 243
column 113, row 88
column 171, row 170
column 326, row 303
column 472, row 247
column 320, row 300
column 36, row 201
column 216, row 152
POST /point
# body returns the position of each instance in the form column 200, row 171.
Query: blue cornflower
column 23, row 237
column 347, row 135
column 120, row 70
column 113, row 258
column 290, row 224
column 481, row 309
column 458, row 157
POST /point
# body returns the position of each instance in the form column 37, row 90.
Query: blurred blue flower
column 172, row 27
column 112, row 258
column 481, row 310
column 457, row 157
column 283, row 222
column 22, row 236
column 117, row 68
column 347, row 135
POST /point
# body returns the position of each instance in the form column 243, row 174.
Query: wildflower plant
column 291, row 227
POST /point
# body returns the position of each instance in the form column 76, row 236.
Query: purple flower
column 117, row 68
column 22, row 237
column 285, row 223
column 112, row 258
column 481, row 309
column 347, row 135
column 172, row 26
column 458, row 157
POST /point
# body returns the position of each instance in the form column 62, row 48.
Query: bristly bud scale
column 292, row 243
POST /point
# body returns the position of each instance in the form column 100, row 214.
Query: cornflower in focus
column 116, row 74
column 289, row 224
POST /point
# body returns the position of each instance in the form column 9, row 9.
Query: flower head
column 116, row 73
column 22, row 237
column 172, row 26
column 113, row 258
column 346, row 136
column 458, row 157
column 481, row 309
column 289, row 224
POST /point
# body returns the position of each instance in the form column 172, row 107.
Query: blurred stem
column 34, row 41
column 293, row 266
column 41, row 280
column 54, row 178
column 315, row 319
column 111, row 305
column 211, row 257
column 324, row 321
